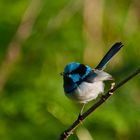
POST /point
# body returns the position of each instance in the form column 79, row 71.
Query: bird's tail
column 114, row 49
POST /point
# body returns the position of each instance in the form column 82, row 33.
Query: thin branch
column 70, row 130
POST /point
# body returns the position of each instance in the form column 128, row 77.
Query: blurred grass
column 32, row 102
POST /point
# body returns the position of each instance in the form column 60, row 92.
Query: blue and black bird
column 82, row 83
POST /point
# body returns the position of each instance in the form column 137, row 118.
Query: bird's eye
column 65, row 74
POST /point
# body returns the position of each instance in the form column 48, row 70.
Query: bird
column 82, row 83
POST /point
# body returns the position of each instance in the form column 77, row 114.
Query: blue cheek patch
column 75, row 77
column 78, row 78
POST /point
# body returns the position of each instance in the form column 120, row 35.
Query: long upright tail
column 114, row 49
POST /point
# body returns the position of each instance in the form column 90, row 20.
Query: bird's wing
column 89, row 78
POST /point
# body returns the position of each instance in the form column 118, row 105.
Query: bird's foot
column 112, row 86
column 80, row 117
column 103, row 97
column 67, row 133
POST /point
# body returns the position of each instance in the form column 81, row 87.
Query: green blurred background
column 38, row 38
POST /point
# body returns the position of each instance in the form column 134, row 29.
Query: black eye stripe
column 81, row 70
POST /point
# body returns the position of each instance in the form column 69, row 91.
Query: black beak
column 62, row 74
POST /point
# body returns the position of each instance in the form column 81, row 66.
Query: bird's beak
column 62, row 74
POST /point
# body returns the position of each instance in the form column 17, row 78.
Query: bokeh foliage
column 35, row 45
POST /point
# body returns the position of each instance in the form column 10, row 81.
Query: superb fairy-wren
column 82, row 83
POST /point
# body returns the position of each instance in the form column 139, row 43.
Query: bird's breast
column 86, row 92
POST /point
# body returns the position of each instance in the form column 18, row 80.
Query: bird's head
column 74, row 73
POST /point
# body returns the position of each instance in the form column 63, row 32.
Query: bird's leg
column 83, row 105
column 110, row 91
column 112, row 86
column 81, row 112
